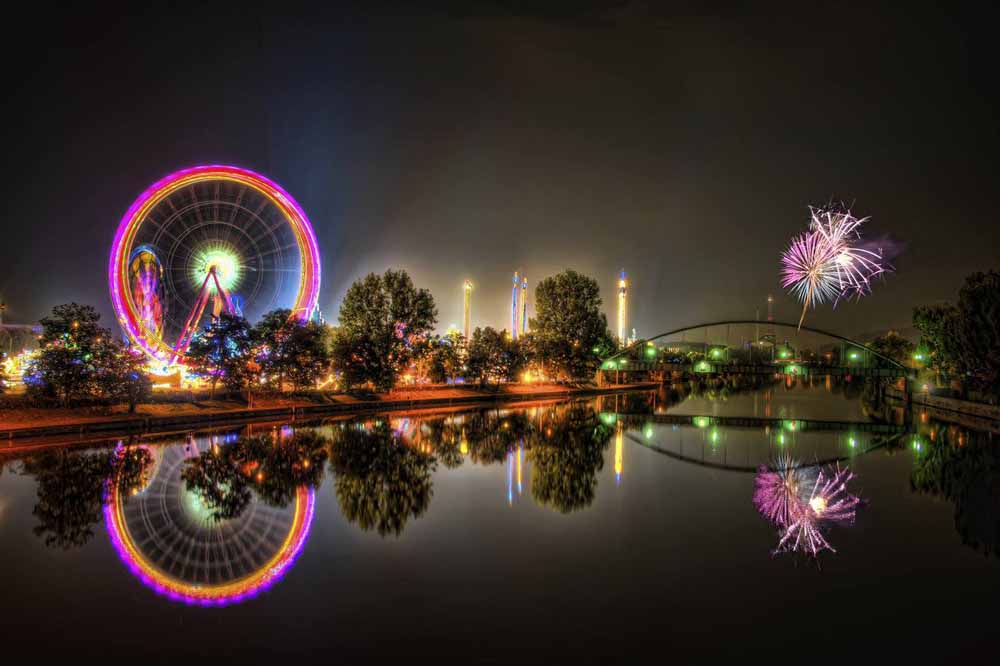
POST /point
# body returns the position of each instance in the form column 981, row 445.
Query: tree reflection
column 380, row 482
column 227, row 477
column 567, row 454
column 963, row 468
column 71, row 489
column 491, row 435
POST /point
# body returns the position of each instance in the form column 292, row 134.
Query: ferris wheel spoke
column 278, row 250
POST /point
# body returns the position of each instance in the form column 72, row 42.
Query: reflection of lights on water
column 619, row 455
column 510, row 478
column 520, row 465
column 167, row 584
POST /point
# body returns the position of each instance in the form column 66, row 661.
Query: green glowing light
column 702, row 421
column 714, row 436
column 650, row 351
column 608, row 418
column 781, row 438
column 220, row 257
column 648, row 431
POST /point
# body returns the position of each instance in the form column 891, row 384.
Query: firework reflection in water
column 803, row 502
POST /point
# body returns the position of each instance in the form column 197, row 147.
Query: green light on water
column 648, row 431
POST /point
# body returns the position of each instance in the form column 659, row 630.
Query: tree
column 224, row 350
column 122, row 377
column 938, row 326
column 309, row 345
column 440, row 359
column 381, row 319
column 894, row 346
column 73, row 348
column 291, row 349
column 978, row 339
column 493, row 356
column 569, row 326
column 273, row 332
column 965, row 339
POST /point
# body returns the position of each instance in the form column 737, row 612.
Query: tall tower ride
column 524, row 305
column 622, row 308
column 467, row 309
column 514, row 302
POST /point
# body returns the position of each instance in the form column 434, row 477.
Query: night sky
column 474, row 139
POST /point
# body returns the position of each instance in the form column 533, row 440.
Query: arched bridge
column 764, row 352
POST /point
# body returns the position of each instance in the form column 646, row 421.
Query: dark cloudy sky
column 473, row 139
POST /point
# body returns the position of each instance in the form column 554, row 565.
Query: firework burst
column 803, row 503
column 829, row 261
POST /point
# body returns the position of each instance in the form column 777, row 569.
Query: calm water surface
column 607, row 529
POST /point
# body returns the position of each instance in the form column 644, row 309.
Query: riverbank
column 961, row 412
column 45, row 422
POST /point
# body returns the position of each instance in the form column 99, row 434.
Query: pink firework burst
column 854, row 264
column 804, row 503
column 829, row 261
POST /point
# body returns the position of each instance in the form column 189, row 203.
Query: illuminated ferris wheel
column 207, row 240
